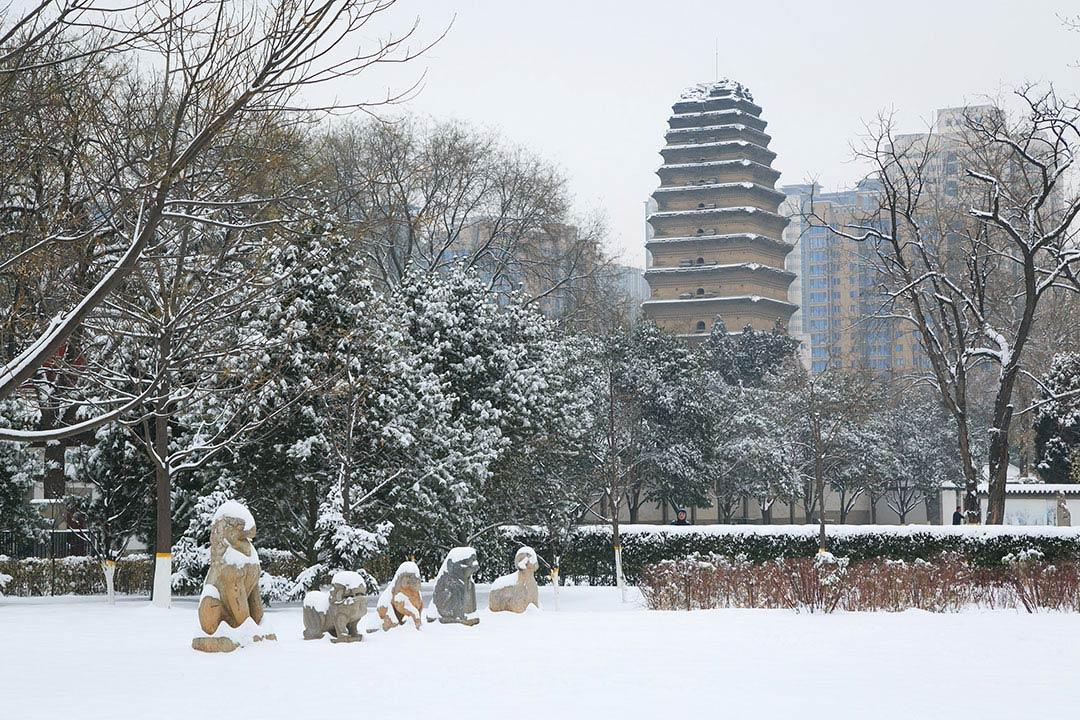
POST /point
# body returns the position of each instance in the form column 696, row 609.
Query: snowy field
column 595, row 658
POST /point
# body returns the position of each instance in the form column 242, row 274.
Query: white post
column 109, row 568
column 555, row 582
column 618, row 572
column 163, row 580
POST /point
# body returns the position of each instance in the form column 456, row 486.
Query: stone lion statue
column 516, row 591
column 338, row 611
column 401, row 599
column 455, row 593
column 231, row 591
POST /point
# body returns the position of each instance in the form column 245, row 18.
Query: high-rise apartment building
column 716, row 246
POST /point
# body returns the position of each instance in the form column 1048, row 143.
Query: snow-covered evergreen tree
column 1057, row 424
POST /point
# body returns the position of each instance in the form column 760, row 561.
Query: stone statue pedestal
column 222, row 643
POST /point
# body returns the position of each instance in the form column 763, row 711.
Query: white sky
column 589, row 84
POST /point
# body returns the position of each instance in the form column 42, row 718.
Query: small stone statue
column 516, row 591
column 455, row 592
column 1064, row 517
column 231, row 591
column 338, row 611
column 401, row 598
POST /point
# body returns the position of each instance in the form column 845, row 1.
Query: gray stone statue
column 338, row 611
column 1064, row 517
column 455, row 593
column 516, row 591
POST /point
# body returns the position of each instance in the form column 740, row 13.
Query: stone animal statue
column 401, row 600
column 231, row 591
column 516, row 591
column 455, row 593
column 1063, row 516
column 337, row 611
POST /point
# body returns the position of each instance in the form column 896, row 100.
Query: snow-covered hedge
column 587, row 556
column 78, row 575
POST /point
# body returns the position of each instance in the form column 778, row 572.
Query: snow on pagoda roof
column 746, row 209
column 724, row 87
column 751, row 266
column 720, row 186
column 722, row 299
column 722, row 237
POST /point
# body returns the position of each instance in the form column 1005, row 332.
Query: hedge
column 588, row 557
column 80, row 575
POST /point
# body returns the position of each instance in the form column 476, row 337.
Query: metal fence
column 51, row 544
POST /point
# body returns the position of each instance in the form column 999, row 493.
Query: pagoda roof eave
column 729, row 237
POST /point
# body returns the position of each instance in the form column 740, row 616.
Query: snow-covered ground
column 595, row 658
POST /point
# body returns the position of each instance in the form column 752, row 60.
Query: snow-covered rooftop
column 722, row 299
column 744, row 209
column 719, row 186
column 751, row 266
column 725, row 87
column 722, row 237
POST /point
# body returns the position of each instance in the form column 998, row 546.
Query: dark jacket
column 957, row 518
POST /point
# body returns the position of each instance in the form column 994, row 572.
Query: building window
column 701, row 261
column 701, row 291
column 701, row 206
column 700, row 231
column 700, row 327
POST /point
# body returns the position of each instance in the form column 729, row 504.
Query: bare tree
column 966, row 263
column 219, row 62
column 424, row 195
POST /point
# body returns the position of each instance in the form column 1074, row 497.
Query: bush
column 80, row 575
column 589, row 558
column 826, row 583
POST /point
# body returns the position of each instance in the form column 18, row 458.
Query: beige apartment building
column 715, row 245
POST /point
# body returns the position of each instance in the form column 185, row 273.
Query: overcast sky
column 589, row 84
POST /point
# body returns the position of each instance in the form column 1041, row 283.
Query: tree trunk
column 109, row 568
column 972, row 513
column 163, row 516
column 999, row 466
column 616, row 544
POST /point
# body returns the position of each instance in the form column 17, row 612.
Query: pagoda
column 715, row 248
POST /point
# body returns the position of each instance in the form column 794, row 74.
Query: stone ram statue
column 516, row 591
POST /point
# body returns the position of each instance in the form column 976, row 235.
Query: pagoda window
column 701, row 261
column 700, row 327
column 700, row 291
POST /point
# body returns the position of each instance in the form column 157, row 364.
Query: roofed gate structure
column 715, row 247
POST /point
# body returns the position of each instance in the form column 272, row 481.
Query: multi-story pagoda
column 715, row 248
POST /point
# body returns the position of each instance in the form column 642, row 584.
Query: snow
column 529, row 559
column 236, row 558
column 209, row 591
column 317, row 600
column 595, row 657
column 349, row 579
column 234, row 509
column 460, row 554
column 840, row 530
column 504, row 581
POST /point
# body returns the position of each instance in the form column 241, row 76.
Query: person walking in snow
column 957, row 517
column 680, row 517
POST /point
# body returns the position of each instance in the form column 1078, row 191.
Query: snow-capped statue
column 231, row 591
column 516, row 591
column 455, row 593
column 338, row 611
column 401, row 598
column 1063, row 516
